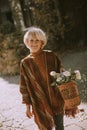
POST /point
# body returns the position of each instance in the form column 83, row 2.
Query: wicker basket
column 70, row 94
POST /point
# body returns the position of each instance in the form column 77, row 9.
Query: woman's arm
column 25, row 94
column 23, row 86
column 59, row 65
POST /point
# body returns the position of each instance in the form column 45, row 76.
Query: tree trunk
column 59, row 18
column 17, row 14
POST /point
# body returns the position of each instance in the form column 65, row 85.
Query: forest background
column 64, row 21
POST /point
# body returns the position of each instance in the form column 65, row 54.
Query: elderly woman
column 40, row 97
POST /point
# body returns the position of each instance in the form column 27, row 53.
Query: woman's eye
column 34, row 40
column 31, row 40
column 37, row 40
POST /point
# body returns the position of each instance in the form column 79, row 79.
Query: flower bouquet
column 66, row 83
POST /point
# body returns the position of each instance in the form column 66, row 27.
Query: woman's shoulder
column 49, row 52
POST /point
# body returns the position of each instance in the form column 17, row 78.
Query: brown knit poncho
column 36, row 90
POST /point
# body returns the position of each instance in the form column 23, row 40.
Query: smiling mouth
column 34, row 46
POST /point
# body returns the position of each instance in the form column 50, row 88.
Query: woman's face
column 34, row 44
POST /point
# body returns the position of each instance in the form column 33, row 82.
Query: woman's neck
column 34, row 54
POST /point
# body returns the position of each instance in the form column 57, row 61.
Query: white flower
column 58, row 75
column 58, row 79
column 53, row 73
column 66, row 73
column 78, row 75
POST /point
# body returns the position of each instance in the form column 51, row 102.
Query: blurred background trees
column 64, row 21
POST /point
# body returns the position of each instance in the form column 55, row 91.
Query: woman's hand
column 71, row 112
column 29, row 111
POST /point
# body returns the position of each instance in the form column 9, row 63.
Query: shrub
column 7, row 27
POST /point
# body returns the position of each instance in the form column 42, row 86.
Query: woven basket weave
column 70, row 94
